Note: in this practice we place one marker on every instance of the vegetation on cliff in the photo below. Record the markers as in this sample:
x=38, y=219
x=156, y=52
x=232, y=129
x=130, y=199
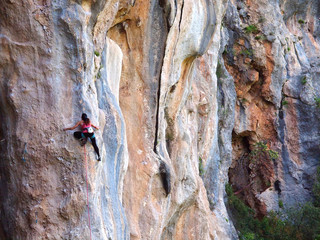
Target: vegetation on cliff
x=301, y=222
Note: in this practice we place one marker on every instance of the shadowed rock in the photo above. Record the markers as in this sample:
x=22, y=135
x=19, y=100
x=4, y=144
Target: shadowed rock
x=165, y=176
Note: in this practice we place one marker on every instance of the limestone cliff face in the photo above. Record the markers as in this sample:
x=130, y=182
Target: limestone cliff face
x=49, y=76
x=190, y=86
x=272, y=52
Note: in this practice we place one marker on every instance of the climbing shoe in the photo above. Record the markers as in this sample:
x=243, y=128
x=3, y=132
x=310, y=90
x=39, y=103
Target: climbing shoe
x=98, y=158
x=83, y=141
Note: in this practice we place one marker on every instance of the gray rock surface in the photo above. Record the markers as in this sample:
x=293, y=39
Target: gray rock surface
x=191, y=85
x=292, y=129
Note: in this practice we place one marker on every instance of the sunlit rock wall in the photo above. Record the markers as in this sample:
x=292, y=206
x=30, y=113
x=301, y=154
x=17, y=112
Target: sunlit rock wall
x=168, y=96
x=145, y=74
x=184, y=85
x=49, y=76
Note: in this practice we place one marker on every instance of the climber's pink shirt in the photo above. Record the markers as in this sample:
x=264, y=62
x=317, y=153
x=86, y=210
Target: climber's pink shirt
x=85, y=127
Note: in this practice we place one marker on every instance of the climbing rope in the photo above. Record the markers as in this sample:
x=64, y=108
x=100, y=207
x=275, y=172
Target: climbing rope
x=85, y=160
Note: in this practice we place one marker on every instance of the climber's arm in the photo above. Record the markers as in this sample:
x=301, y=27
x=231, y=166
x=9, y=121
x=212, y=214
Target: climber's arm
x=94, y=126
x=71, y=128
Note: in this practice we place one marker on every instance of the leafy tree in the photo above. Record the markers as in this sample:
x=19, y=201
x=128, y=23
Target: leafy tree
x=301, y=222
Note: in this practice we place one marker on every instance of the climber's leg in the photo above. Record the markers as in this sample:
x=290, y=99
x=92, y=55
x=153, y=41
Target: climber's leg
x=79, y=135
x=94, y=144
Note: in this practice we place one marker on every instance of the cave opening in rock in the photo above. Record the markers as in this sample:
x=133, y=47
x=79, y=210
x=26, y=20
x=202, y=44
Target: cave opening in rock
x=277, y=186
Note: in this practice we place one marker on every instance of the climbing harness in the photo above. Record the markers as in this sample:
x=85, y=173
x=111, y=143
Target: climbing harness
x=89, y=129
x=83, y=136
x=85, y=160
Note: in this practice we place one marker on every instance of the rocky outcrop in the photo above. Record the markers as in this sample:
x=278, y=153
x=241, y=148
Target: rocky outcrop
x=168, y=98
x=50, y=74
x=272, y=53
x=182, y=92
x=133, y=68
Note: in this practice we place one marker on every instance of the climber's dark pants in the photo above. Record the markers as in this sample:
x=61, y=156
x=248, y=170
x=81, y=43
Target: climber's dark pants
x=79, y=135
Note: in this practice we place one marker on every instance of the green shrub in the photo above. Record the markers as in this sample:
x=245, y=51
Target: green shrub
x=304, y=80
x=300, y=222
x=251, y=29
x=219, y=71
x=260, y=37
x=317, y=99
x=301, y=21
x=284, y=102
x=304, y=221
x=96, y=53
x=201, y=169
x=316, y=189
x=247, y=52
x=99, y=74
x=244, y=100
x=242, y=214
x=249, y=236
x=261, y=148
x=280, y=204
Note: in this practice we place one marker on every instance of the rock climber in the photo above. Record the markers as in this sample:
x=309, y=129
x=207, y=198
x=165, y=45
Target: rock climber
x=87, y=132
